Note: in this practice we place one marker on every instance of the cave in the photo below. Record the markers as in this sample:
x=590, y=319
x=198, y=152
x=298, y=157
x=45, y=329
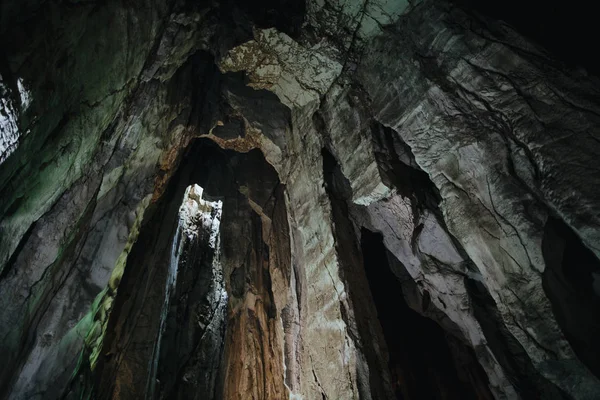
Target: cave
x=197, y=331
x=419, y=353
x=298, y=199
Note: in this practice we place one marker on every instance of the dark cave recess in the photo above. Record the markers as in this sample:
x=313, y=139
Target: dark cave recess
x=421, y=358
x=566, y=29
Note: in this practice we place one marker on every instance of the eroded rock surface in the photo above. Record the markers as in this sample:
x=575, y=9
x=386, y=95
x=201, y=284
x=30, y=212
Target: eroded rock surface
x=408, y=197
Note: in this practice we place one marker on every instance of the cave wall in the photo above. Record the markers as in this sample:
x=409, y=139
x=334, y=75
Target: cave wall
x=468, y=148
x=518, y=137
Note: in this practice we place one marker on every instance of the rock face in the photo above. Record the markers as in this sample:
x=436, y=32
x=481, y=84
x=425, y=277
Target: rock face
x=381, y=200
x=182, y=342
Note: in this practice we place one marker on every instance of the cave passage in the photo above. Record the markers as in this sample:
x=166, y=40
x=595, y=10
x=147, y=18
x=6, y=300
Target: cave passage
x=191, y=323
x=420, y=358
x=299, y=199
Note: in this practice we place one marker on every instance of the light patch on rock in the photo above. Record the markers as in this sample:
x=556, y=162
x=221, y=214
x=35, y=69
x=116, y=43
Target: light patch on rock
x=9, y=129
x=380, y=191
x=348, y=129
x=24, y=93
x=275, y=62
x=196, y=213
x=435, y=241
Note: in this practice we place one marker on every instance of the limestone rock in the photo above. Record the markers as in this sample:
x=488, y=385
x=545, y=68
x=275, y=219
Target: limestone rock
x=381, y=199
x=274, y=61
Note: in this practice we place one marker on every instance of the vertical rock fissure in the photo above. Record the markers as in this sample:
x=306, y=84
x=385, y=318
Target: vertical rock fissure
x=508, y=351
x=357, y=308
x=256, y=272
x=193, y=339
x=170, y=283
x=421, y=360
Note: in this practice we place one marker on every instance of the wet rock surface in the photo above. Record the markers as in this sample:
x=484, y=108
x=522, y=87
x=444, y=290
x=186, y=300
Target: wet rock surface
x=399, y=202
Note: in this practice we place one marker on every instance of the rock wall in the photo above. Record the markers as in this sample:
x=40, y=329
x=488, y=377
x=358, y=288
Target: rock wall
x=480, y=106
x=408, y=204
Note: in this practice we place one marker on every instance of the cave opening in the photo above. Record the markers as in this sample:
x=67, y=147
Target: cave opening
x=571, y=281
x=420, y=357
x=197, y=346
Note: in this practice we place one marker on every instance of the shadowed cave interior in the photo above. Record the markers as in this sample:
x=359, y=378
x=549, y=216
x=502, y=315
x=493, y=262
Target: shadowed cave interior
x=424, y=362
x=427, y=368
x=299, y=199
x=232, y=178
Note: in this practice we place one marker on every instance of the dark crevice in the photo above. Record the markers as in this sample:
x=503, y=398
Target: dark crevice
x=363, y=328
x=420, y=355
x=508, y=351
x=571, y=281
x=399, y=169
x=417, y=186
x=463, y=372
x=13, y=258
